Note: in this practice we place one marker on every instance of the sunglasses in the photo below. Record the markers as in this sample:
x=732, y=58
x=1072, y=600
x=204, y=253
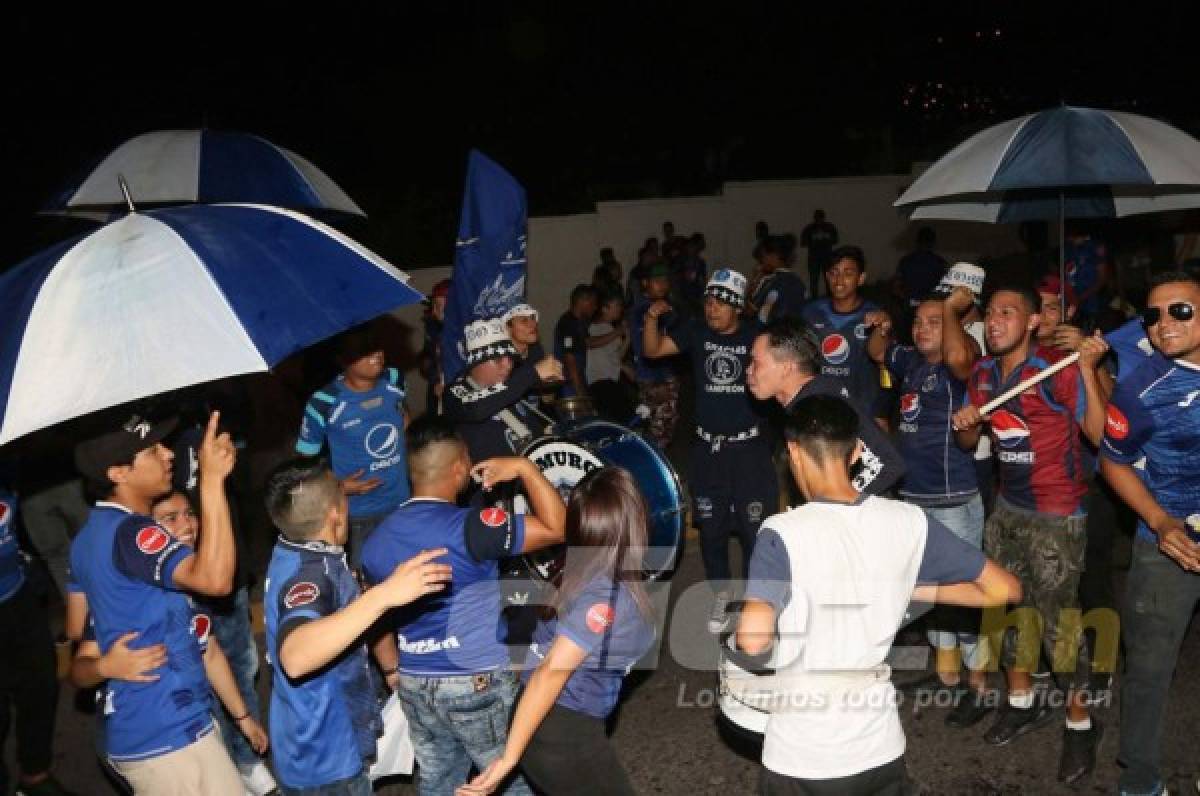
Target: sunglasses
x=1180, y=311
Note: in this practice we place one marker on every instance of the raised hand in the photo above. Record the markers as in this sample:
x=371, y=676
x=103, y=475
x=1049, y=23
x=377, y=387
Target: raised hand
x=498, y=470
x=217, y=455
x=549, y=369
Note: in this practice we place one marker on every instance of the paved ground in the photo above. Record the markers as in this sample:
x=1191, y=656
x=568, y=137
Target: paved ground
x=668, y=735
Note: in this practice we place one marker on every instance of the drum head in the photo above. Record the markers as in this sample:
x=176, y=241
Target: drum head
x=564, y=463
x=655, y=477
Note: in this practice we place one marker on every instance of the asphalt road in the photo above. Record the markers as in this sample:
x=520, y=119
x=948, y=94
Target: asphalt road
x=668, y=735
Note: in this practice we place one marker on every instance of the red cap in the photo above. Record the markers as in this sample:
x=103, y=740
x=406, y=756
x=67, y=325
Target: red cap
x=1050, y=284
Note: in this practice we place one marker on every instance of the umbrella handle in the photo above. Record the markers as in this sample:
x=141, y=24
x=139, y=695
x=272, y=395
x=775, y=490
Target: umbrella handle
x=1037, y=378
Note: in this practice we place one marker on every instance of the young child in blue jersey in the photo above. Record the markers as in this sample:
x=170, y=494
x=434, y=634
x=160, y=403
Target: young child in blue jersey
x=840, y=324
x=1154, y=414
x=134, y=575
x=455, y=683
x=360, y=416
x=600, y=625
x=324, y=716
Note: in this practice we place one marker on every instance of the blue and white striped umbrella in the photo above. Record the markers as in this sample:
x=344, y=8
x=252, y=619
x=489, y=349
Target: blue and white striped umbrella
x=206, y=167
x=173, y=297
x=1074, y=162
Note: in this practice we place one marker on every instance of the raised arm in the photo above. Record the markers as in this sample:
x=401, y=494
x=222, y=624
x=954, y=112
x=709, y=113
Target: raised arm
x=545, y=527
x=463, y=403
x=210, y=569
x=880, y=324
x=314, y=643
x=654, y=342
x=959, y=349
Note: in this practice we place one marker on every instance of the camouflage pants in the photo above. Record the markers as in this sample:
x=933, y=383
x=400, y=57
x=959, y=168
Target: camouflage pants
x=662, y=398
x=1045, y=552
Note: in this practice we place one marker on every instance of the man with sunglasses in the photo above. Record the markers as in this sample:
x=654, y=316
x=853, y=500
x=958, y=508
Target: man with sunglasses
x=1154, y=412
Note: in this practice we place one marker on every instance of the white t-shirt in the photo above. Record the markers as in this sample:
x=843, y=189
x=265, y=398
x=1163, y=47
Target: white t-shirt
x=603, y=362
x=841, y=577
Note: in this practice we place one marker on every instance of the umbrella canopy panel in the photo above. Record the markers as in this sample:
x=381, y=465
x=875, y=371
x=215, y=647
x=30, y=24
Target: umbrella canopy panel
x=205, y=166
x=175, y=297
x=1062, y=149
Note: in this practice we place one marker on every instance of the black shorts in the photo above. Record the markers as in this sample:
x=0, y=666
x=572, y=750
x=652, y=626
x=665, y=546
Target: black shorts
x=890, y=779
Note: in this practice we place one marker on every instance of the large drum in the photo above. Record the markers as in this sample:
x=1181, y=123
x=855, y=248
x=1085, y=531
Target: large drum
x=590, y=445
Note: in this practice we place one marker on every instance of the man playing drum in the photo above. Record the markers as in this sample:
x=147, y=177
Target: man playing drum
x=486, y=402
x=732, y=475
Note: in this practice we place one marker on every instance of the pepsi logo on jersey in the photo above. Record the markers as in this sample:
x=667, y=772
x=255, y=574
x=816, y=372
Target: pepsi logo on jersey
x=835, y=348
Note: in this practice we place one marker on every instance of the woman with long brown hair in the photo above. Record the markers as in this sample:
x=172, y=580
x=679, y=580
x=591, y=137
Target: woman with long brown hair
x=598, y=626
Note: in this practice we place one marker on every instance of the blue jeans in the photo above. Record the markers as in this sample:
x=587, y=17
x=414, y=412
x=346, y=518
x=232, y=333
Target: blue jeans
x=232, y=630
x=1159, y=600
x=355, y=786
x=455, y=722
x=954, y=627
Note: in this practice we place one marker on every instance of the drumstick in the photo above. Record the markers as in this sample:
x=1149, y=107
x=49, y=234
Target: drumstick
x=1025, y=385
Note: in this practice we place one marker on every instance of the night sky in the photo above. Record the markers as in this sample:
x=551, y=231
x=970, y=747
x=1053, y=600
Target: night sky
x=581, y=101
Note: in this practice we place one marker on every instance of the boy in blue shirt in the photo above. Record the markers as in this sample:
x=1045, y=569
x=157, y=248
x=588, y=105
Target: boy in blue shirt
x=135, y=575
x=324, y=719
x=361, y=416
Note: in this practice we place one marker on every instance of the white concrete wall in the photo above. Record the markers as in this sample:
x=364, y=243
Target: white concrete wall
x=563, y=250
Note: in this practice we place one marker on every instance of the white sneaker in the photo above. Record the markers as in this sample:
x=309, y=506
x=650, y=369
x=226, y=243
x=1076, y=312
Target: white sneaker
x=718, y=618
x=257, y=778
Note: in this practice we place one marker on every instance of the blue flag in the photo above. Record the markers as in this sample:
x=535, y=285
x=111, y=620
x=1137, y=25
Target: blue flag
x=489, y=255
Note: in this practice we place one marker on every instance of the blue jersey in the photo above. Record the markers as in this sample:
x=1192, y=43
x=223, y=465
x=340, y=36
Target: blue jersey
x=1155, y=412
x=1083, y=260
x=12, y=563
x=779, y=295
x=125, y=563
x=843, y=339
x=1131, y=346
x=459, y=630
x=647, y=369
x=325, y=725
x=365, y=431
x=604, y=621
x=939, y=472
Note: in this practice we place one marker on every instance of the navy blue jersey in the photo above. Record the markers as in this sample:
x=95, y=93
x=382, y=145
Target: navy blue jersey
x=604, y=621
x=1131, y=347
x=325, y=725
x=124, y=563
x=1155, y=412
x=12, y=563
x=570, y=337
x=843, y=339
x=654, y=371
x=939, y=472
x=365, y=431
x=723, y=404
x=779, y=295
x=459, y=630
